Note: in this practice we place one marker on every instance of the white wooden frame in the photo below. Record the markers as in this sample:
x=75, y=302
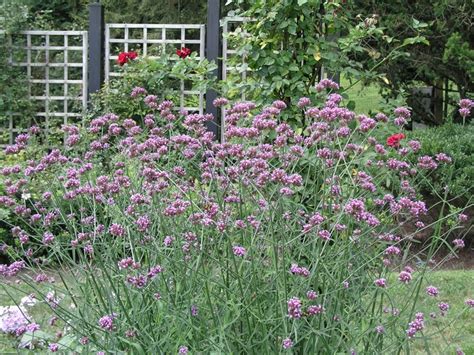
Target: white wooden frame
x=145, y=42
x=227, y=51
x=44, y=38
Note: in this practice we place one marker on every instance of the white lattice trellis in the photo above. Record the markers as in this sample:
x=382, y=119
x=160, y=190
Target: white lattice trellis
x=234, y=67
x=152, y=40
x=55, y=63
x=233, y=63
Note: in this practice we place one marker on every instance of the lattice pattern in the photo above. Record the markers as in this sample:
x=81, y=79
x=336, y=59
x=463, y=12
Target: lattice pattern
x=153, y=40
x=233, y=63
x=55, y=63
x=234, y=67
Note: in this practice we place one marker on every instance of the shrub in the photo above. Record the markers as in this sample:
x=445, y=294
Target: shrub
x=456, y=141
x=166, y=76
x=269, y=241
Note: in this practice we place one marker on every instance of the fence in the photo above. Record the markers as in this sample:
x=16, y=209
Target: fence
x=233, y=63
x=64, y=67
x=55, y=63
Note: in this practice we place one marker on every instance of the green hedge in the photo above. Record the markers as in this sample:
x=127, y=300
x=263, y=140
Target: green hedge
x=456, y=141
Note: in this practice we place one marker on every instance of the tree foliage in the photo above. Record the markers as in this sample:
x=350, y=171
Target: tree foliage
x=290, y=45
x=448, y=27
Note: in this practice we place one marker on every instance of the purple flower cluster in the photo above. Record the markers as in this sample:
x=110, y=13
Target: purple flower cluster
x=465, y=107
x=432, y=291
x=287, y=343
x=299, y=270
x=12, y=269
x=239, y=250
x=137, y=91
x=417, y=325
x=326, y=84
x=294, y=308
x=107, y=322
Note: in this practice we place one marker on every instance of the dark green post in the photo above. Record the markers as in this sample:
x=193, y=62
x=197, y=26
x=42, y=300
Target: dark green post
x=96, y=47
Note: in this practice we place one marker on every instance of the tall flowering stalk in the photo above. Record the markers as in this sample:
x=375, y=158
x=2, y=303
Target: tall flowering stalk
x=270, y=241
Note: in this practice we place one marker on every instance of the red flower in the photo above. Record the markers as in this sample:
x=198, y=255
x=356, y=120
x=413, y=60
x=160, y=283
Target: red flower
x=132, y=55
x=394, y=140
x=183, y=52
x=124, y=57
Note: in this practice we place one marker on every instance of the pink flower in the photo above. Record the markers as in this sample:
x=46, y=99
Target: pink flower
x=466, y=106
x=299, y=270
x=287, y=343
x=405, y=277
x=416, y=325
x=220, y=101
x=116, y=230
x=380, y=329
x=313, y=310
x=239, y=250
x=294, y=308
x=312, y=295
x=443, y=307
x=107, y=322
x=53, y=347
x=432, y=291
x=381, y=282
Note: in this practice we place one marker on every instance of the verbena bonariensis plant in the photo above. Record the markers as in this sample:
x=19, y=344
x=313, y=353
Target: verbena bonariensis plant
x=272, y=241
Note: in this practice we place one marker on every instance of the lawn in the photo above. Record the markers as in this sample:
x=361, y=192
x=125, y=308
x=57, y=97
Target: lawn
x=366, y=98
x=456, y=329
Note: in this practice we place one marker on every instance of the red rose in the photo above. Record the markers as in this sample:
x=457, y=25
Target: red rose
x=124, y=57
x=183, y=52
x=132, y=55
x=394, y=140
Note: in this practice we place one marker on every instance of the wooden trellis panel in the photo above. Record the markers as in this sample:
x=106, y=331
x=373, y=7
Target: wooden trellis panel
x=152, y=40
x=55, y=64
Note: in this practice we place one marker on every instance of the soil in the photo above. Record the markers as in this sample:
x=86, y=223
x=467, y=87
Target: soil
x=465, y=257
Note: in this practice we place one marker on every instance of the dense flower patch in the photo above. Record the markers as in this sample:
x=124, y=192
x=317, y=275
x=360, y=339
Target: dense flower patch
x=270, y=240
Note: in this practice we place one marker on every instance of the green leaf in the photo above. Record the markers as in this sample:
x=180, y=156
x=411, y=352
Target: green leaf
x=302, y=2
x=414, y=40
x=294, y=67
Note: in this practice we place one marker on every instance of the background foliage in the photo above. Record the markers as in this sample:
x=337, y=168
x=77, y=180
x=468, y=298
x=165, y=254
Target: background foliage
x=316, y=39
x=448, y=60
x=456, y=141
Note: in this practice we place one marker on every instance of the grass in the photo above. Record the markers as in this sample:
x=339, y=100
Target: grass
x=366, y=98
x=443, y=335
x=456, y=329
